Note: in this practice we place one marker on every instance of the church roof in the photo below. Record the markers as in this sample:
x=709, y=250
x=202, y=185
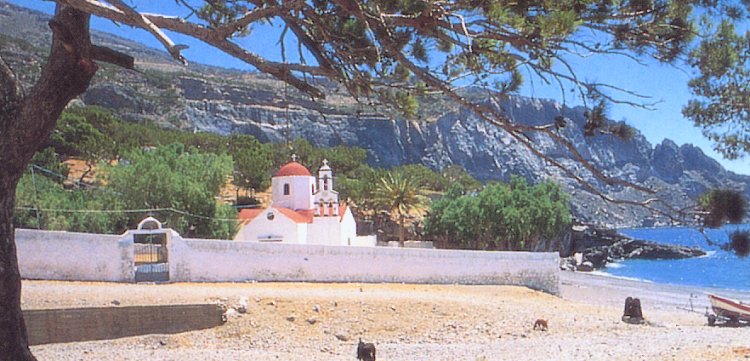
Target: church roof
x=342, y=211
x=292, y=169
x=248, y=214
x=299, y=216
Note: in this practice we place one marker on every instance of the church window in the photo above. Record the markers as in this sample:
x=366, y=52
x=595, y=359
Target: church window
x=312, y=189
x=325, y=183
x=286, y=189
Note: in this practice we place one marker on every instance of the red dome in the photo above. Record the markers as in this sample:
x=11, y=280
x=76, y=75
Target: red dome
x=293, y=169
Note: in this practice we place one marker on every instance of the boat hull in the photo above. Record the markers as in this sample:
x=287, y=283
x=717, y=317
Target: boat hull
x=724, y=307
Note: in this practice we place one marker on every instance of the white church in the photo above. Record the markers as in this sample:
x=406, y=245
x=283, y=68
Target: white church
x=303, y=210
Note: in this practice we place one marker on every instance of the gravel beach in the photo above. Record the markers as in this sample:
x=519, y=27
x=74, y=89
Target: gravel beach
x=316, y=321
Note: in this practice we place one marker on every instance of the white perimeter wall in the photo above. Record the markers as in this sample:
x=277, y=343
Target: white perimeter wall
x=70, y=256
x=94, y=257
x=212, y=261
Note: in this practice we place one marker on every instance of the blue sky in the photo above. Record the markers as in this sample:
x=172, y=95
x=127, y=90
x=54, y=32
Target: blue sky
x=664, y=84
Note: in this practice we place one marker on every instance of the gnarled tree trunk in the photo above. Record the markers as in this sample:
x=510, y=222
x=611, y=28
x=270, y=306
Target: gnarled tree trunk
x=26, y=121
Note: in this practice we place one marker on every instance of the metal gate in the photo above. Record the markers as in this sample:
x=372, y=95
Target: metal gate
x=151, y=258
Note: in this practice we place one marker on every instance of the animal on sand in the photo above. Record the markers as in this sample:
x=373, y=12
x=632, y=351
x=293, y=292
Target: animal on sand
x=365, y=351
x=540, y=324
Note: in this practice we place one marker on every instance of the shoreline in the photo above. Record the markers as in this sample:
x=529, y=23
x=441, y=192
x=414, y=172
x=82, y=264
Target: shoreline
x=605, y=290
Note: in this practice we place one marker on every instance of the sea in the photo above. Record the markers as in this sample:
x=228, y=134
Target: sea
x=718, y=269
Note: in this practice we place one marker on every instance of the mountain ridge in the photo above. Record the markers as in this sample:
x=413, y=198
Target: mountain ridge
x=225, y=101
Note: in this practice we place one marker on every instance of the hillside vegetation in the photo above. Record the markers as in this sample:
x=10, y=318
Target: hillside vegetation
x=143, y=169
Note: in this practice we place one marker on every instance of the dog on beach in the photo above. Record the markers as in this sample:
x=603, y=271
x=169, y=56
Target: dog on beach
x=365, y=351
x=540, y=324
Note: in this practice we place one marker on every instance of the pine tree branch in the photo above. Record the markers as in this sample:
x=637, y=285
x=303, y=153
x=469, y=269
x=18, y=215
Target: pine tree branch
x=254, y=15
x=281, y=71
x=494, y=117
x=144, y=23
x=112, y=56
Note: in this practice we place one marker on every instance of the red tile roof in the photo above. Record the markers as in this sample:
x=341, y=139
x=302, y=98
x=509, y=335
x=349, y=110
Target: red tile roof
x=342, y=211
x=292, y=169
x=301, y=216
x=248, y=214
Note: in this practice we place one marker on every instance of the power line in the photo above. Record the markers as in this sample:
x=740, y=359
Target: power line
x=60, y=210
x=110, y=211
x=64, y=177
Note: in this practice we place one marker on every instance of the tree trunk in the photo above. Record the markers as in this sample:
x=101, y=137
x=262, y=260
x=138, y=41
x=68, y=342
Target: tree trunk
x=401, y=229
x=89, y=168
x=13, y=340
x=26, y=122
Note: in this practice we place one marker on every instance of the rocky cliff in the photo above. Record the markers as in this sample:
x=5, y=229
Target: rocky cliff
x=224, y=101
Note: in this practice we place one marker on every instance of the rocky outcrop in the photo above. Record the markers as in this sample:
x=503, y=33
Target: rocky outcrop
x=592, y=248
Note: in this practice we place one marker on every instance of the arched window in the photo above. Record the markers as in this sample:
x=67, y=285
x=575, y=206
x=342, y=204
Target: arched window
x=286, y=189
x=312, y=189
x=325, y=183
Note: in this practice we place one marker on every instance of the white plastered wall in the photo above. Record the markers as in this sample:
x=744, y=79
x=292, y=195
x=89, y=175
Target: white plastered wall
x=324, y=230
x=348, y=233
x=300, y=195
x=71, y=256
x=216, y=261
x=280, y=227
x=94, y=257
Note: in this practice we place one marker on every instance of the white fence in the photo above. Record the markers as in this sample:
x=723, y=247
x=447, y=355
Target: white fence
x=77, y=256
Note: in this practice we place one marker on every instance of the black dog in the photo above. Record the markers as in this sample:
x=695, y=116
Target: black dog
x=365, y=351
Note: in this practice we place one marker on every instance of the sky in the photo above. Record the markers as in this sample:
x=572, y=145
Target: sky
x=664, y=84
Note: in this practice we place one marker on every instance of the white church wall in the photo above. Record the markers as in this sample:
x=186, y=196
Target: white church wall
x=70, y=256
x=300, y=192
x=216, y=261
x=324, y=230
x=302, y=233
x=348, y=233
x=280, y=227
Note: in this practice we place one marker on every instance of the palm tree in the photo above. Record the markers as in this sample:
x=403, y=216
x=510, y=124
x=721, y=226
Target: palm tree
x=397, y=194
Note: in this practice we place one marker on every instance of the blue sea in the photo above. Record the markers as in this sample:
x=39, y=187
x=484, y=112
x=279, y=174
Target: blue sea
x=721, y=269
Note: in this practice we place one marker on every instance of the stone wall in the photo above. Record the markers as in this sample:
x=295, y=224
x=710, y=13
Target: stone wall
x=86, y=324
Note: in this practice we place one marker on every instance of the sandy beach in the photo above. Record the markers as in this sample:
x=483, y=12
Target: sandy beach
x=313, y=321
